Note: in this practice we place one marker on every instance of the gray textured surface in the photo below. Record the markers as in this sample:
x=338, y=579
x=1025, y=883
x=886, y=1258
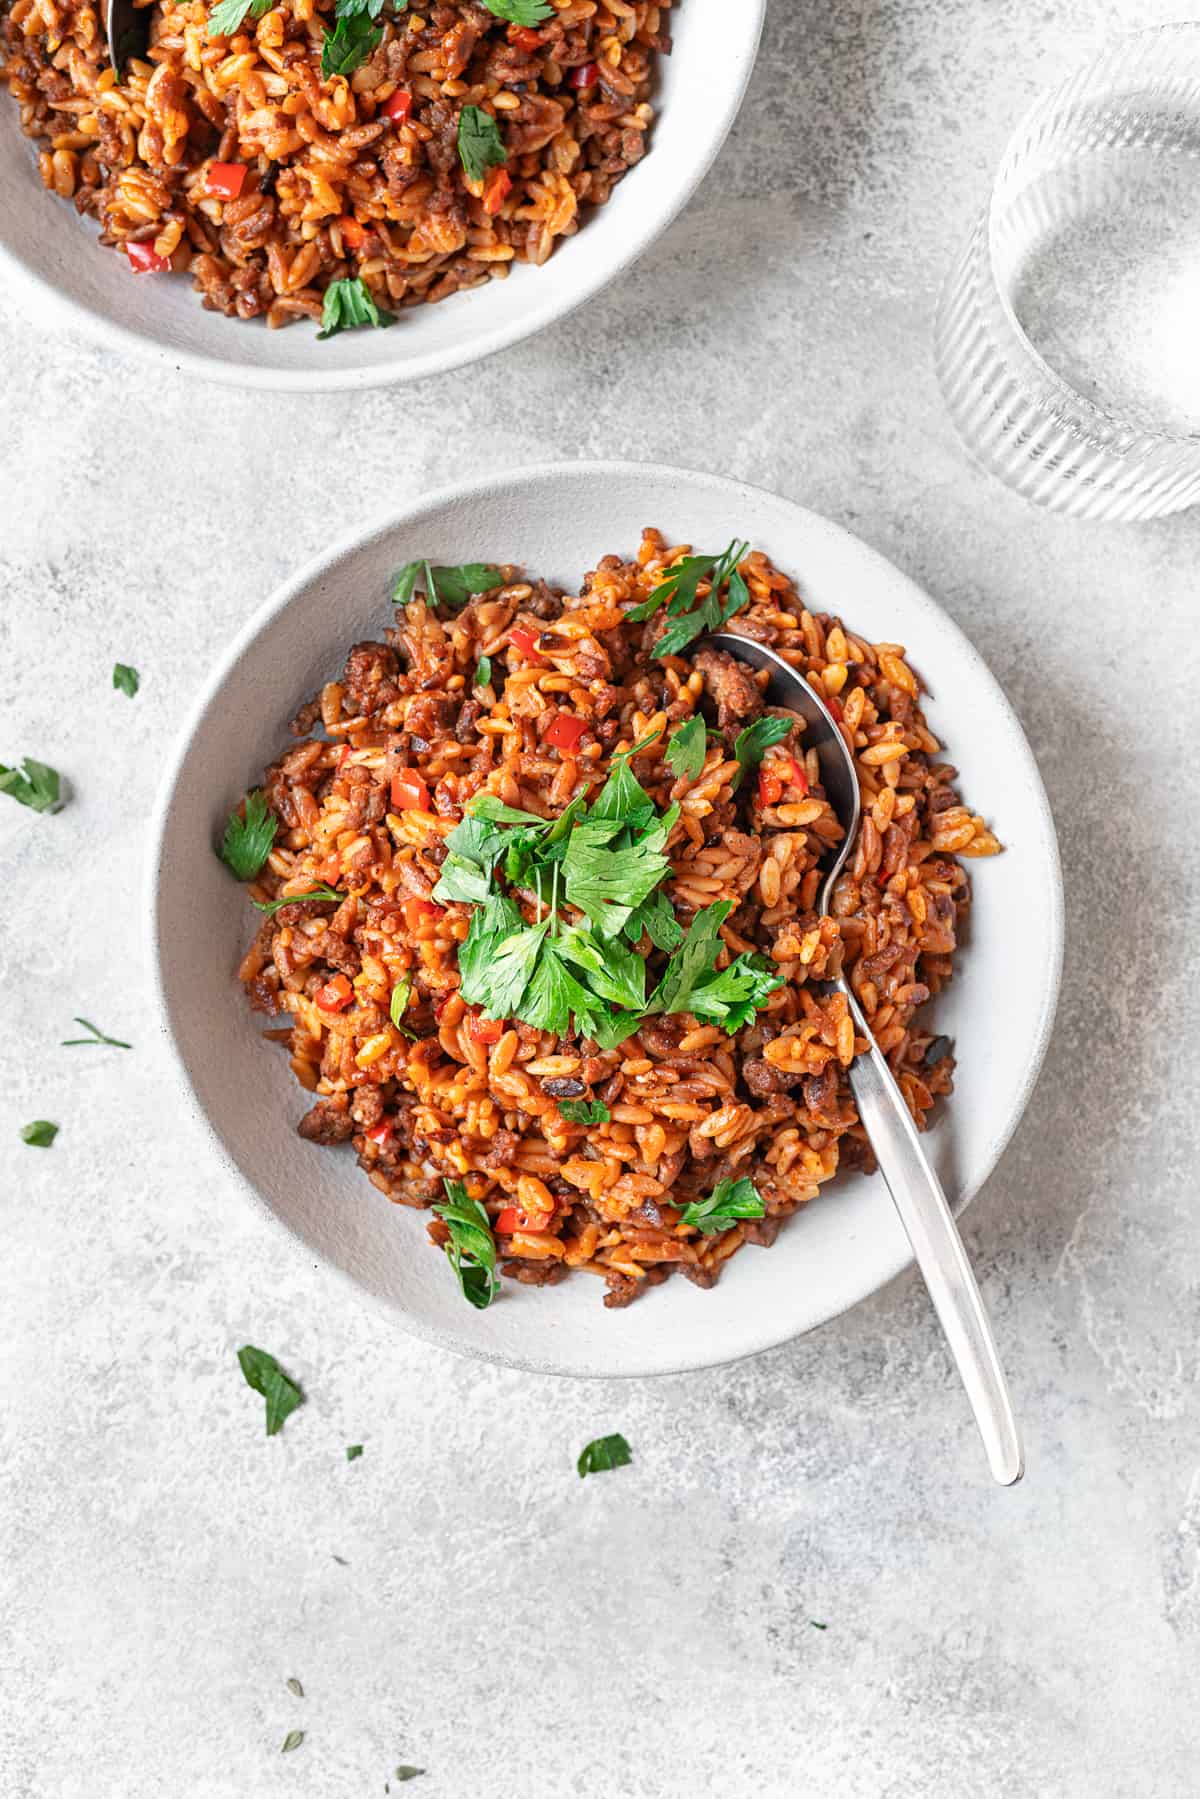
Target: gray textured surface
x=515, y=1631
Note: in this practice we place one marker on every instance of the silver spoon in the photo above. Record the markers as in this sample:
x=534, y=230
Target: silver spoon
x=915, y=1189
x=127, y=28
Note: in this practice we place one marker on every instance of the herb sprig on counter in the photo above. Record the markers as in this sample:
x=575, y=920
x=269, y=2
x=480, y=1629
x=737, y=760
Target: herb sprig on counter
x=39, y=786
x=602, y=1454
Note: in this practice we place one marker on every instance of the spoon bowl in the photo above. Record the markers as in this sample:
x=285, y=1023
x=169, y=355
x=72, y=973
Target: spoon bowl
x=907, y=1172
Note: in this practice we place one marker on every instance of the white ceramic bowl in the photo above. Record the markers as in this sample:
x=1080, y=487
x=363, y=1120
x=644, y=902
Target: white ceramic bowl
x=703, y=81
x=558, y=522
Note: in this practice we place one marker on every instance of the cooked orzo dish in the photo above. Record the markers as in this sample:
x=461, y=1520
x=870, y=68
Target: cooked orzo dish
x=337, y=158
x=539, y=885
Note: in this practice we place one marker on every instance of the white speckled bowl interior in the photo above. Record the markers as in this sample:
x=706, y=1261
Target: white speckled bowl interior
x=558, y=522
x=701, y=87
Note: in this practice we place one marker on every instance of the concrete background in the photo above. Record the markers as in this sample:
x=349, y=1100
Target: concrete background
x=507, y=1627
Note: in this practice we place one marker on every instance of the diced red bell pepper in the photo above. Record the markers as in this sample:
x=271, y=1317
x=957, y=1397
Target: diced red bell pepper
x=512, y=1218
x=524, y=38
x=382, y=1134
x=565, y=732
x=586, y=75
x=353, y=234
x=144, y=259
x=496, y=188
x=835, y=708
x=485, y=1030
x=416, y=908
x=524, y=640
x=225, y=180
x=335, y=995
x=398, y=107
x=343, y=757
x=799, y=778
x=770, y=787
x=409, y=792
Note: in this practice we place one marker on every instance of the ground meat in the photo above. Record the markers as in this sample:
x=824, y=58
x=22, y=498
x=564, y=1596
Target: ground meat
x=502, y=1149
x=623, y=1289
x=305, y=719
x=328, y=1122
x=536, y=1274
x=339, y=954
x=762, y=1077
x=370, y=678
x=731, y=685
x=762, y=1231
x=428, y=715
x=464, y=730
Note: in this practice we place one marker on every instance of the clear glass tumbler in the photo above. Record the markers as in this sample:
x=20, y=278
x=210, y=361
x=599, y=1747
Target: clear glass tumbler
x=1068, y=332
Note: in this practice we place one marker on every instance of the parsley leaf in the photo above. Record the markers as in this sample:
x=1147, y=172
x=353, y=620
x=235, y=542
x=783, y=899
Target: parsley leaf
x=398, y=1005
x=40, y=1134
x=692, y=960
x=227, y=18
x=687, y=749
x=616, y=973
x=270, y=907
x=604, y=1453
x=553, y=994
x=678, y=585
x=352, y=40
x=480, y=146
x=732, y=997
x=471, y=1250
x=353, y=1451
x=752, y=744
x=349, y=9
x=348, y=304
x=38, y=788
x=125, y=679
x=710, y=613
x=656, y=917
x=584, y=1111
x=483, y=672
x=728, y=1201
x=97, y=1036
x=291, y=1741
x=406, y=1771
x=451, y=587
x=511, y=969
x=521, y=12
x=248, y=836
x=462, y=880
x=262, y=1372
x=606, y=883
x=491, y=924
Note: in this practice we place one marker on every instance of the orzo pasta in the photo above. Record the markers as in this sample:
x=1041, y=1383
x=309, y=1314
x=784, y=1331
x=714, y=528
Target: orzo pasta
x=249, y=148
x=653, y=1106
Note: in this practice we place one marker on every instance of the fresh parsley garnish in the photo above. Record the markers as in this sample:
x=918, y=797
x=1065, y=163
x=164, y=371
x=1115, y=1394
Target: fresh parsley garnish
x=752, y=744
x=354, y=37
x=584, y=1111
x=480, y=147
x=471, y=1250
x=353, y=1451
x=690, y=616
x=483, y=672
x=348, y=304
x=406, y=1771
x=291, y=1741
x=728, y=1201
x=521, y=12
x=687, y=749
x=604, y=1453
x=692, y=982
x=451, y=587
x=349, y=9
x=248, y=837
x=270, y=907
x=97, y=1036
x=227, y=18
x=401, y=994
x=263, y=1373
x=125, y=679
x=39, y=787
x=817, y=1626
x=40, y=1134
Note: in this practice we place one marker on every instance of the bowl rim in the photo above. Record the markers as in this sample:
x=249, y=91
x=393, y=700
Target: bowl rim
x=394, y=520
x=473, y=346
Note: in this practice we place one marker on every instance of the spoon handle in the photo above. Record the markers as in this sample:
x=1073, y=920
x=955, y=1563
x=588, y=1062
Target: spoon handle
x=926, y=1216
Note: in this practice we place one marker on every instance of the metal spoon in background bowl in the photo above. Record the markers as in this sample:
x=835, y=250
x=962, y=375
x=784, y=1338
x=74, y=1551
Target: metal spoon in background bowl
x=127, y=28
x=915, y=1189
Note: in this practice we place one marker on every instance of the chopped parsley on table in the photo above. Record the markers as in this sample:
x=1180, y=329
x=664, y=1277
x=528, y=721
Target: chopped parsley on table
x=40, y=1134
x=262, y=1372
x=39, y=787
x=125, y=679
x=603, y=1453
x=95, y=1036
